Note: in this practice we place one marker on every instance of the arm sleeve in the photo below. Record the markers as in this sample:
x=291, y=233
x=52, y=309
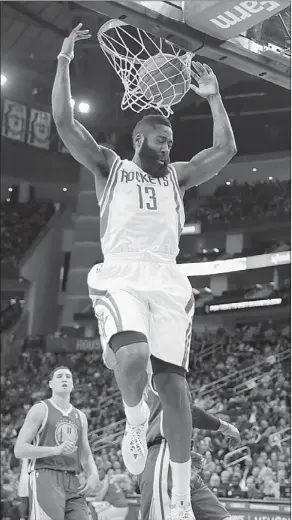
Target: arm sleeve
x=204, y=420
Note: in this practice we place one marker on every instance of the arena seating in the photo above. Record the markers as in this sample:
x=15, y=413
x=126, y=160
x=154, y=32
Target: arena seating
x=255, y=357
x=21, y=223
x=10, y=313
x=215, y=254
x=241, y=203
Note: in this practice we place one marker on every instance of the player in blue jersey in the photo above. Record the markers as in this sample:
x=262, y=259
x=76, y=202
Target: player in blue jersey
x=143, y=302
x=156, y=481
x=54, y=439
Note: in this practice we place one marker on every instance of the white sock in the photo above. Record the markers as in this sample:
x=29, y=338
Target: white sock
x=136, y=415
x=181, y=482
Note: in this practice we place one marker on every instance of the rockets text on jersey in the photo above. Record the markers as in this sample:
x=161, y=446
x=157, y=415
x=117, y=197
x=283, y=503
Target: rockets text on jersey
x=140, y=213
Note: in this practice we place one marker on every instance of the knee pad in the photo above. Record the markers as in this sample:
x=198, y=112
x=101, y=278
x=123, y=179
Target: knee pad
x=127, y=337
x=159, y=366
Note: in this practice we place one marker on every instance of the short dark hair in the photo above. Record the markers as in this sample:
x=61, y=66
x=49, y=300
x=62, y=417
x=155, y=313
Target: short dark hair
x=149, y=122
x=58, y=368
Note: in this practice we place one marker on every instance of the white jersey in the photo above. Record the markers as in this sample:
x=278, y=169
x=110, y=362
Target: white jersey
x=139, y=213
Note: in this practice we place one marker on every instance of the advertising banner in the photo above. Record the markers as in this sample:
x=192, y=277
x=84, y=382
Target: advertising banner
x=225, y=19
x=55, y=344
x=238, y=509
x=236, y=264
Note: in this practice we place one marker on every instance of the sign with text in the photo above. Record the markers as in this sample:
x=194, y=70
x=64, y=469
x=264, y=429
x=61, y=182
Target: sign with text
x=236, y=264
x=225, y=19
x=55, y=344
x=238, y=509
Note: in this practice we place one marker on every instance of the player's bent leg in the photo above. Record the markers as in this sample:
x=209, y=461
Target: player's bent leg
x=132, y=354
x=170, y=383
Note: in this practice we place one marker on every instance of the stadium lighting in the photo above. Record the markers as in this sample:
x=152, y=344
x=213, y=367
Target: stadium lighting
x=3, y=80
x=65, y=189
x=83, y=107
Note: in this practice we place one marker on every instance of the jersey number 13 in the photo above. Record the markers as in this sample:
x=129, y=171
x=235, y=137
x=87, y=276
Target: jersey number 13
x=147, y=197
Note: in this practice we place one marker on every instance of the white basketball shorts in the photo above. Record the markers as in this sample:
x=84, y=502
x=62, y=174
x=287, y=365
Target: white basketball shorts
x=155, y=299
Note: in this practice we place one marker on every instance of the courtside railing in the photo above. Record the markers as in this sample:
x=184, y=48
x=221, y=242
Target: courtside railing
x=248, y=372
x=112, y=434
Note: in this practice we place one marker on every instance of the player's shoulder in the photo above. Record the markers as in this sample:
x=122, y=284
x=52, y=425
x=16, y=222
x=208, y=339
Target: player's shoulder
x=38, y=411
x=82, y=415
x=109, y=155
x=179, y=170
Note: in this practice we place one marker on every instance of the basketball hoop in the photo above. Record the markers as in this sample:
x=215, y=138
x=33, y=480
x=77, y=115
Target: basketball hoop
x=128, y=49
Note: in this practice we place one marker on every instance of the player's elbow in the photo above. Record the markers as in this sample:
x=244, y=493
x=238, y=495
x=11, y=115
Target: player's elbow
x=232, y=149
x=18, y=452
x=62, y=119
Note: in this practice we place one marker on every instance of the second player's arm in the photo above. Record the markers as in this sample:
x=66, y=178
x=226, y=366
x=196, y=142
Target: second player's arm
x=87, y=459
x=205, y=421
x=208, y=163
x=80, y=143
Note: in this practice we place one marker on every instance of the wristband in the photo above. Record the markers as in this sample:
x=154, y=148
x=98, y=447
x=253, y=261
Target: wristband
x=223, y=426
x=63, y=55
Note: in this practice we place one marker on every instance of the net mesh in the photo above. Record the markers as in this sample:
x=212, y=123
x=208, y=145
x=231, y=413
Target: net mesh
x=128, y=49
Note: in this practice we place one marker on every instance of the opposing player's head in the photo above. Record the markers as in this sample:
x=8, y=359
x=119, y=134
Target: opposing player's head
x=152, y=141
x=61, y=380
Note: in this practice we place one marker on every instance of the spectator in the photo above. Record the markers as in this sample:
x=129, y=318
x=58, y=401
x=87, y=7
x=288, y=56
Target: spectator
x=110, y=492
x=209, y=464
x=271, y=487
x=252, y=492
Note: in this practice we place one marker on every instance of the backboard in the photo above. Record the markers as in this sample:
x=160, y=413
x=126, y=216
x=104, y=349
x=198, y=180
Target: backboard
x=252, y=36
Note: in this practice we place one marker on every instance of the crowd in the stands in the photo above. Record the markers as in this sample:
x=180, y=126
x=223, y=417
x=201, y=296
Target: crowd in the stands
x=21, y=223
x=240, y=204
x=260, y=410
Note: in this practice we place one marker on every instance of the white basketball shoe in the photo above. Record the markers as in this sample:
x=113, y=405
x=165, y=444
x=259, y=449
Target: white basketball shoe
x=134, y=446
x=181, y=512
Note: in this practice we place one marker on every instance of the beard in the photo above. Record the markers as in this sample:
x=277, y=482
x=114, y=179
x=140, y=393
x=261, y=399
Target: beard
x=150, y=161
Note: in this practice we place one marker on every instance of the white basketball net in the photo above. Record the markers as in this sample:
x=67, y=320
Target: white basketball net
x=127, y=48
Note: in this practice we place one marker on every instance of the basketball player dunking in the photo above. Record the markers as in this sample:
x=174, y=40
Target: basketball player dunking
x=155, y=481
x=59, y=449
x=143, y=303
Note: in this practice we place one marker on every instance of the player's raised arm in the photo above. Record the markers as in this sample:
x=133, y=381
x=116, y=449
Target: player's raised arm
x=80, y=143
x=24, y=449
x=209, y=162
